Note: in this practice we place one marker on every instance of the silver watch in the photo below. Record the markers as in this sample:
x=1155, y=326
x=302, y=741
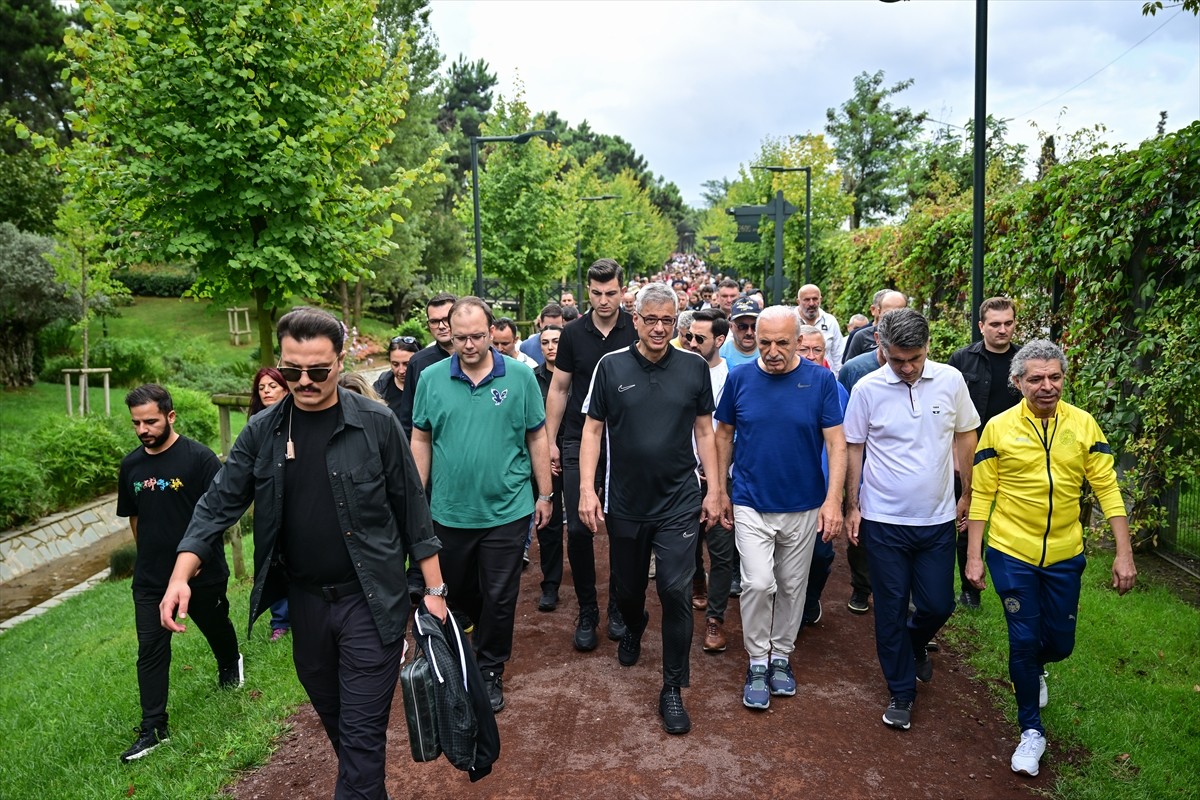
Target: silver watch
x=435, y=591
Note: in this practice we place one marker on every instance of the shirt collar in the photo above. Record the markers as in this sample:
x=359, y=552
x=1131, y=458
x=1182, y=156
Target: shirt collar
x=891, y=377
x=456, y=371
x=646, y=363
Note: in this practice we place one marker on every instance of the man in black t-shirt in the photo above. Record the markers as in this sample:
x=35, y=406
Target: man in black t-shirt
x=605, y=328
x=984, y=365
x=157, y=490
x=437, y=317
x=648, y=401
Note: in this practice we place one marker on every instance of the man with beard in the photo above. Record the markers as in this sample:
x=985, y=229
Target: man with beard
x=159, y=485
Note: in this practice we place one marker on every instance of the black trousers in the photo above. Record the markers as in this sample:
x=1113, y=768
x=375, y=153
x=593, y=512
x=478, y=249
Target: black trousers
x=860, y=573
x=673, y=543
x=818, y=576
x=482, y=570
x=550, y=539
x=209, y=609
x=722, y=562
x=580, y=550
x=350, y=676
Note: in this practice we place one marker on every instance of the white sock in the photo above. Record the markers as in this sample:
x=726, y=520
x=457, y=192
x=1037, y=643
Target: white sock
x=778, y=656
x=758, y=662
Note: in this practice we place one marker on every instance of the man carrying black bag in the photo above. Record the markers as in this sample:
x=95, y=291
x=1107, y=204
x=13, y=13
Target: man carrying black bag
x=465, y=728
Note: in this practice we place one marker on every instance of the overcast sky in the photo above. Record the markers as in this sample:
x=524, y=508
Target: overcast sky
x=696, y=86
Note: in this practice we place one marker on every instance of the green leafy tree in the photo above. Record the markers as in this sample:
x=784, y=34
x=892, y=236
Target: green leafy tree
x=30, y=298
x=465, y=108
x=232, y=135
x=872, y=139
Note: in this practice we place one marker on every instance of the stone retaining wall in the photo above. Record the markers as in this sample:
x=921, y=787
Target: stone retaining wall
x=58, y=535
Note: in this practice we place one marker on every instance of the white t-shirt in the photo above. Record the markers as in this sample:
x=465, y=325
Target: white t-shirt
x=908, y=474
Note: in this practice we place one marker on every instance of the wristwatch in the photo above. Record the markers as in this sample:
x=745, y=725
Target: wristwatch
x=435, y=591
x=545, y=498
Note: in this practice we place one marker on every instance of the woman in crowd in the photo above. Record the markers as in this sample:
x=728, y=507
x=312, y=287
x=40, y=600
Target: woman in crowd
x=269, y=389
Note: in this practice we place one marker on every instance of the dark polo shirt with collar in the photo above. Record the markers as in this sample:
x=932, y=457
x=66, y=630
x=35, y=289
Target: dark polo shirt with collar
x=580, y=347
x=650, y=410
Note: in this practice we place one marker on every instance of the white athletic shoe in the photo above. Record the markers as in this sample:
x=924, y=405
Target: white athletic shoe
x=1028, y=755
x=1043, y=693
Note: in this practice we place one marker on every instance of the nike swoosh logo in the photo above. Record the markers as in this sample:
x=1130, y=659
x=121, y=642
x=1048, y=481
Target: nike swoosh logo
x=689, y=535
x=623, y=388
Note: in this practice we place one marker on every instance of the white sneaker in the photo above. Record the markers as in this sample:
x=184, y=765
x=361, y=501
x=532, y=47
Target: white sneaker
x=1028, y=755
x=1043, y=693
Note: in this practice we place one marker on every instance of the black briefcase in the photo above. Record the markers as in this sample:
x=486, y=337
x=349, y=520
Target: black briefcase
x=420, y=708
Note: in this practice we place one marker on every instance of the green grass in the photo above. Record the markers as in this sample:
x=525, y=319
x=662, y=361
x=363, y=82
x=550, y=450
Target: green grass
x=22, y=411
x=1124, y=713
x=70, y=701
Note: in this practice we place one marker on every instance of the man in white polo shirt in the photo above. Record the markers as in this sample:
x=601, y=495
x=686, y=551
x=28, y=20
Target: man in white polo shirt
x=909, y=418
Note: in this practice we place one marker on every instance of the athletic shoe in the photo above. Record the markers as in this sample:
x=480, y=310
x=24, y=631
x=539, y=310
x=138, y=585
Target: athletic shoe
x=670, y=708
x=585, y=629
x=858, y=603
x=811, y=618
x=1043, y=692
x=1028, y=755
x=780, y=678
x=616, y=624
x=756, y=694
x=714, y=637
x=278, y=633
x=898, y=714
x=146, y=743
x=232, y=676
x=495, y=690
x=735, y=587
x=969, y=599
x=630, y=648
x=525, y=559
x=549, y=600
x=924, y=666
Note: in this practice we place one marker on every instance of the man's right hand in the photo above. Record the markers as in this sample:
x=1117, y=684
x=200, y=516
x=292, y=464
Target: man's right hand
x=179, y=593
x=589, y=510
x=555, y=460
x=851, y=521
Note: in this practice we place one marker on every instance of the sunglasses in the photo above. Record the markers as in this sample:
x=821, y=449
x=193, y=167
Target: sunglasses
x=746, y=326
x=403, y=340
x=695, y=337
x=315, y=374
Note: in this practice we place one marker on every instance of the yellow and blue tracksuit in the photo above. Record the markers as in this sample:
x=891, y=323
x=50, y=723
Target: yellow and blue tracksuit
x=1027, y=481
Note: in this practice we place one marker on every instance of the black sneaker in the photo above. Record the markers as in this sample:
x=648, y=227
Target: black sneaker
x=898, y=714
x=495, y=690
x=549, y=600
x=670, y=708
x=924, y=666
x=616, y=624
x=811, y=615
x=585, y=629
x=858, y=602
x=630, y=648
x=146, y=743
x=969, y=599
x=231, y=676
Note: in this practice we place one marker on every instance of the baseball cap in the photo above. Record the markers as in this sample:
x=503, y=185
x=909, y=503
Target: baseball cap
x=745, y=307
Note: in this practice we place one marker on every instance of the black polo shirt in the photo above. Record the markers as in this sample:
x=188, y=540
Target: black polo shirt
x=650, y=410
x=580, y=347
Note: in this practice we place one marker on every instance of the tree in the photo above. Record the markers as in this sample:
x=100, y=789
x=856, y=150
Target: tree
x=231, y=135
x=30, y=299
x=872, y=140
x=468, y=99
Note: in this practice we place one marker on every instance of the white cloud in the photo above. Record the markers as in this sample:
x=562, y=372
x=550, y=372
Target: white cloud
x=696, y=86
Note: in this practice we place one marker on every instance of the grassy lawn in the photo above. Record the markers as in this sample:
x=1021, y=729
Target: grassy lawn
x=70, y=704
x=167, y=319
x=22, y=411
x=1124, y=713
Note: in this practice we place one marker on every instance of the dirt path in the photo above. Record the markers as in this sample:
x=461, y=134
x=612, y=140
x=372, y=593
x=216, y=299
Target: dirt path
x=578, y=725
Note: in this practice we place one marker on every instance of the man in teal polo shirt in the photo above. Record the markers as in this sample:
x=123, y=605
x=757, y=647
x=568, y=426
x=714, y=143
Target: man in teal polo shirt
x=479, y=430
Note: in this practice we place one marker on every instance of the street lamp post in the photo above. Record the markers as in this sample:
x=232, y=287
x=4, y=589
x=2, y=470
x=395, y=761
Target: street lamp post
x=520, y=138
x=780, y=218
x=579, y=245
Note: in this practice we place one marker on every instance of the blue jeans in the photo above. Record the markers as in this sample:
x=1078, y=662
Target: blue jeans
x=1040, y=606
x=916, y=560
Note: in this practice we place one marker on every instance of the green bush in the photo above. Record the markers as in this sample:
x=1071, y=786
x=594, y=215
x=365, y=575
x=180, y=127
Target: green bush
x=133, y=361
x=195, y=415
x=209, y=378
x=24, y=491
x=52, y=367
x=80, y=456
x=414, y=328
x=56, y=338
x=145, y=280
x=121, y=561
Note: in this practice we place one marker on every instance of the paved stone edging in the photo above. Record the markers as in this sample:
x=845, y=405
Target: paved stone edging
x=58, y=599
x=58, y=535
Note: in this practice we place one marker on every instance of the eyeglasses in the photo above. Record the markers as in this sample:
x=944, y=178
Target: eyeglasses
x=315, y=374
x=745, y=326
x=695, y=337
x=666, y=322
x=404, y=339
x=439, y=322
x=812, y=351
x=461, y=338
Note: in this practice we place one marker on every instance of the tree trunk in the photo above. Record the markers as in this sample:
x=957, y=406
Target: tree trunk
x=343, y=290
x=17, y=346
x=358, y=300
x=84, y=404
x=266, y=338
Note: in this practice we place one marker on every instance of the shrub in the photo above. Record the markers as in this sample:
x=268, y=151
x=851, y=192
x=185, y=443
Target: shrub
x=51, y=369
x=195, y=415
x=56, y=338
x=133, y=361
x=158, y=280
x=415, y=328
x=121, y=561
x=80, y=456
x=24, y=492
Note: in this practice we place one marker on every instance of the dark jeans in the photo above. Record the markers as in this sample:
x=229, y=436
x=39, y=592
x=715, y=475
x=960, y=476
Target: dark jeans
x=1040, y=605
x=350, y=676
x=209, y=609
x=916, y=561
x=279, y=615
x=962, y=545
x=722, y=561
x=550, y=540
x=673, y=543
x=580, y=550
x=482, y=570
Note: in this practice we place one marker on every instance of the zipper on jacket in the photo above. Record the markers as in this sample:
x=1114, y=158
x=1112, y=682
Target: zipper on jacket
x=1047, y=441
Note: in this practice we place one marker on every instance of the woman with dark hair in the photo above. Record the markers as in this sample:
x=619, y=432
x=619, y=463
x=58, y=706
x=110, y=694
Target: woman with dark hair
x=269, y=389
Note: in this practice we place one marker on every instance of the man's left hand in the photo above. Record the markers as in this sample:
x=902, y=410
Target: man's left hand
x=1124, y=573
x=829, y=523
x=436, y=606
x=711, y=509
x=542, y=512
x=961, y=510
